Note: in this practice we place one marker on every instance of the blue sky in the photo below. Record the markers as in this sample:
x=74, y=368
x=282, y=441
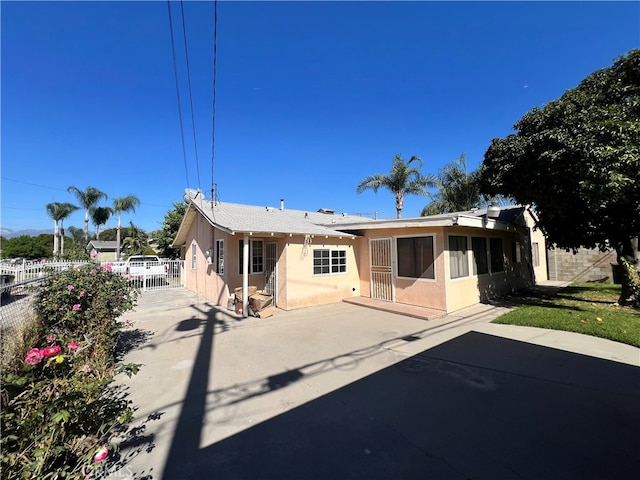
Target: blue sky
x=311, y=96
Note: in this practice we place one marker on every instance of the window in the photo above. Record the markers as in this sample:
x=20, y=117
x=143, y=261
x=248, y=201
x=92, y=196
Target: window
x=415, y=257
x=535, y=251
x=497, y=255
x=327, y=261
x=458, y=257
x=194, y=258
x=480, y=261
x=256, y=263
x=516, y=255
x=220, y=257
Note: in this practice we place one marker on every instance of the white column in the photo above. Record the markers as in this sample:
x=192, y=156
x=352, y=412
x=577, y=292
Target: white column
x=245, y=275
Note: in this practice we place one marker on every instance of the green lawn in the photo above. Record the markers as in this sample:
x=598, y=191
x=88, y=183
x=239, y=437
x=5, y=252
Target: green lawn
x=588, y=308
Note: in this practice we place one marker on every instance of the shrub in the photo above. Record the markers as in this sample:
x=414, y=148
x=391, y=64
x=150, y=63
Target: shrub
x=59, y=409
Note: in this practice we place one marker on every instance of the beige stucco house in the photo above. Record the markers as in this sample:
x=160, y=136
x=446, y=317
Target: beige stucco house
x=443, y=262
x=103, y=251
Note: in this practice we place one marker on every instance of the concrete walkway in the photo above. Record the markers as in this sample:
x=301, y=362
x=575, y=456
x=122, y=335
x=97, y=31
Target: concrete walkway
x=343, y=391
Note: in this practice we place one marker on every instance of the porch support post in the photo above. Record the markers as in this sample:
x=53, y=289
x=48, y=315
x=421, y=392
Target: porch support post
x=245, y=275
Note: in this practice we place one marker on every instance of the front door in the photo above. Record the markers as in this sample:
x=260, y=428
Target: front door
x=381, y=269
x=270, y=270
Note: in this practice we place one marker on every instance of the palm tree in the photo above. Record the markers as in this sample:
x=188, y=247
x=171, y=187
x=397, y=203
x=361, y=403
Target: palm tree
x=54, y=211
x=88, y=197
x=458, y=190
x=136, y=241
x=67, y=209
x=123, y=204
x=100, y=216
x=403, y=179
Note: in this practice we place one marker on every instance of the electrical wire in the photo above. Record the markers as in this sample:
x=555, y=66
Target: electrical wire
x=214, y=192
x=175, y=71
x=193, y=122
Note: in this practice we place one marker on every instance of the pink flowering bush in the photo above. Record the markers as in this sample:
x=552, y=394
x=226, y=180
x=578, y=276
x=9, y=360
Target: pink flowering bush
x=60, y=409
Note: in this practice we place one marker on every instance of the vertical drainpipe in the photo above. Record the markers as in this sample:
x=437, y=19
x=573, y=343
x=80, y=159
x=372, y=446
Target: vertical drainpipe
x=245, y=275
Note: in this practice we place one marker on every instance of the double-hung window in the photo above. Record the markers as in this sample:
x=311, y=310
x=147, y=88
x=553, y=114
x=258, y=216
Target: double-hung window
x=256, y=256
x=458, y=256
x=415, y=257
x=329, y=262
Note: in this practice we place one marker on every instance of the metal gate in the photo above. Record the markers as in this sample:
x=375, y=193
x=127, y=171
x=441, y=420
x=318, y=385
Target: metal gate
x=270, y=270
x=381, y=269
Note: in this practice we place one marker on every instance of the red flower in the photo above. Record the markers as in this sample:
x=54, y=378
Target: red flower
x=50, y=351
x=72, y=345
x=101, y=454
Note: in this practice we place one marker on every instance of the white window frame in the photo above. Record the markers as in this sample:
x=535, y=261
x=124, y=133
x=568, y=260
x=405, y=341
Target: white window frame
x=252, y=256
x=334, y=255
x=194, y=256
x=220, y=256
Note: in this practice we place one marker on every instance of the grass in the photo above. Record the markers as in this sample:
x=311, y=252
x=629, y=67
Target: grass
x=588, y=308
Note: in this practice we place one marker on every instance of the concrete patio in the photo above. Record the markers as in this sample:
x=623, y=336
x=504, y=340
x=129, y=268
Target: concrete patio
x=344, y=391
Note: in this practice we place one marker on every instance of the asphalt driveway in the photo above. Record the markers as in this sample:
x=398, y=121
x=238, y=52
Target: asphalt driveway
x=342, y=391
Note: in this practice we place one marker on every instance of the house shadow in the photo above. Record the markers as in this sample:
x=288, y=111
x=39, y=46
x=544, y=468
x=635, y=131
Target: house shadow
x=477, y=406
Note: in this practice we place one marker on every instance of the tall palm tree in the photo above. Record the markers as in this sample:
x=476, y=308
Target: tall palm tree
x=67, y=209
x=136, y=240
x=403, y=179
x=100, y=216
x=88, y=197
x=54, y=211
x=123, y=204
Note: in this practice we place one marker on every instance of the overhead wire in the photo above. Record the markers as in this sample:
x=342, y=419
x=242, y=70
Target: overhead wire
x=193, y=123
x=175, y=71
x=214, y=192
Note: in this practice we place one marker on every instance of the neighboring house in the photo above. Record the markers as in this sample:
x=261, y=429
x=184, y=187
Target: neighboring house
x=104, y=251
x=444, y=262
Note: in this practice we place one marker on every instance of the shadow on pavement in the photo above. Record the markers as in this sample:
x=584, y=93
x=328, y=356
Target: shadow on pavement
x=478, y=406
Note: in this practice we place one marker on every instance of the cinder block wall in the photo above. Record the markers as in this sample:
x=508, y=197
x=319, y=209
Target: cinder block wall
x=585, y=266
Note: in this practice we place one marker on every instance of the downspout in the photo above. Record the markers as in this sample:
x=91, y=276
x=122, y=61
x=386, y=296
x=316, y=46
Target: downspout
x=245, y=275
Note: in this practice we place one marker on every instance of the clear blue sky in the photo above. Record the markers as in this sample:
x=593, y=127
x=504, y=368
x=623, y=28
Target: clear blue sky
x=311, y=96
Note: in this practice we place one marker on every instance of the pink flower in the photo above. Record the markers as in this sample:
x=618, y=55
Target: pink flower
x=72, y=345
x=92, y=272
x=50, y=338
x=101, y=454
x=108, y=268
x=76, y=306
x=33, y=357
x=44, y=260
x=82, y=293
x=85, y=368
x=69, y=287
x=94, y=254
x=50, y=351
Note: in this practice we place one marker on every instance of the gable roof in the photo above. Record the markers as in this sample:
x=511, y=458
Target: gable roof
x=103, y=245
x=235, y=218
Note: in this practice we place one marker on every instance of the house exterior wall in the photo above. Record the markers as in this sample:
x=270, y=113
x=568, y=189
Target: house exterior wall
x=304, y=288
x=587, y=265
x=103, y=256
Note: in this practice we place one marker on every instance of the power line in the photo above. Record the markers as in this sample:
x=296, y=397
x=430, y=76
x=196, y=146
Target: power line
x=175, y=71
x=193, y=123
x=214, y=193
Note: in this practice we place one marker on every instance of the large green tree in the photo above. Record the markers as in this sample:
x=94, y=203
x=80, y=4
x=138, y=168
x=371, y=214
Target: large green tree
x=404, y=178
x=577, y=161
x=88, y=198
x=28, y=247
x=123, y=204
x=166, y=236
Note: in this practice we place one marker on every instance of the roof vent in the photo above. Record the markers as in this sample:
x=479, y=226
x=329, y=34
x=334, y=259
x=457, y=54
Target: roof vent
x=326, y=211
x=494, y=210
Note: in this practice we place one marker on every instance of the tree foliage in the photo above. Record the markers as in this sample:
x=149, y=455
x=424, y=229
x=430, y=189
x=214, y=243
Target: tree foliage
x=88, y=198
x=577, y=161
x=170, y=225
x=404, y=178
x=458, y=190
x=28, y=247
x=99, y=217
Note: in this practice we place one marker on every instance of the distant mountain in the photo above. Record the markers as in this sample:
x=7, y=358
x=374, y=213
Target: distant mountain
x=8, y=233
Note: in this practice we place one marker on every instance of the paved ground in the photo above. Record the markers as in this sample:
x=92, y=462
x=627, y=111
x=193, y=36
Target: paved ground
x=346, y=392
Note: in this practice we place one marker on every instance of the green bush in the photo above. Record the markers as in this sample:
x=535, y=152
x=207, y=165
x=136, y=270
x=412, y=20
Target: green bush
x=59, y=407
